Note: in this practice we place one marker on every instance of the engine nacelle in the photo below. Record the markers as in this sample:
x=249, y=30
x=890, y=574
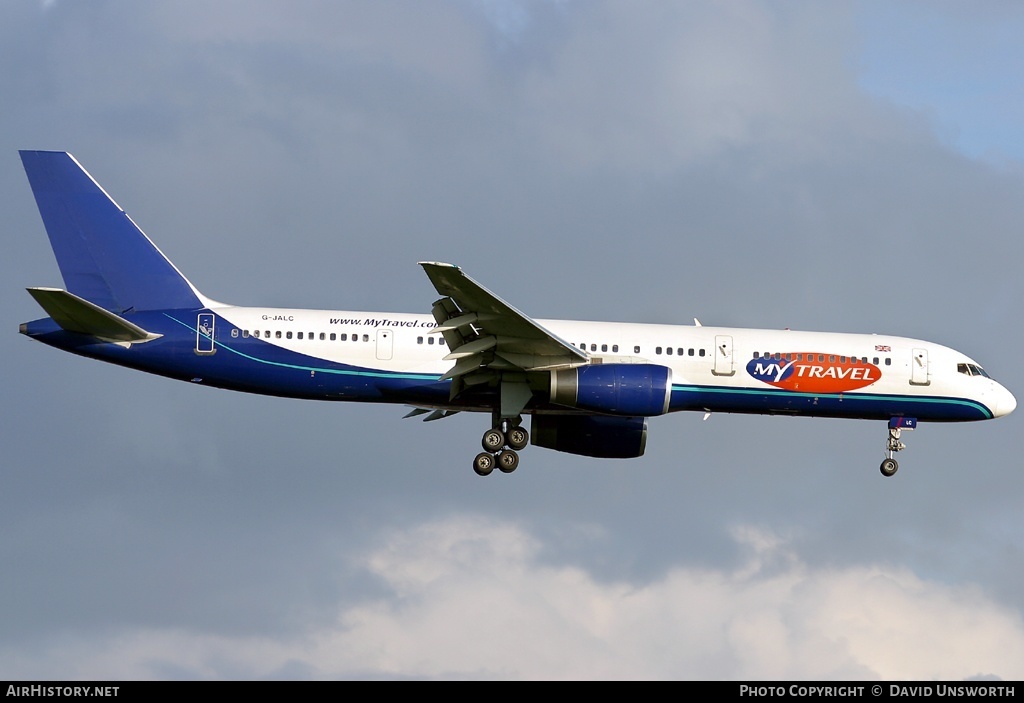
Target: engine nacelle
x=591, y=435
x=634, y=390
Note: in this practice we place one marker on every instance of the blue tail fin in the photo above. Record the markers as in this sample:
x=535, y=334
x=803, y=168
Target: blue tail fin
x=103, y=256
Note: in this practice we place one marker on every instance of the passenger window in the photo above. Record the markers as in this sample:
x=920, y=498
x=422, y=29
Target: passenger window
x=636, y=349
x=700, y=353
x=334, y=336
x=300, y=335
x=430, y=340
x=615, y=348
x=366, y=338
x=593, y=347
x=604, y=347
x=288, y=334
x=888, y=361
x=657, y=350
x=322, y=336
x=419, y=340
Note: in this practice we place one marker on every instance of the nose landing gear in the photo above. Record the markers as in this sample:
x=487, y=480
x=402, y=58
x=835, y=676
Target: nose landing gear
x=889, y=465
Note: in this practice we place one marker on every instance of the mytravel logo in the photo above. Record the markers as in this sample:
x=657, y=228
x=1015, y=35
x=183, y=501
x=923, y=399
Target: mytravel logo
x=813, y=372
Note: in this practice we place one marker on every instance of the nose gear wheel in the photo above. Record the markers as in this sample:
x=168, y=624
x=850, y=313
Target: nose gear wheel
x=889, y=465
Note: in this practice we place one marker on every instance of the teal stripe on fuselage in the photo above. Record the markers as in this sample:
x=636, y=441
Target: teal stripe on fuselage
x=833, y=399
x=301, y=367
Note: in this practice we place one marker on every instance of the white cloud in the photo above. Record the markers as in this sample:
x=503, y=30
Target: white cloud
x=469, y=598
x=680, y=83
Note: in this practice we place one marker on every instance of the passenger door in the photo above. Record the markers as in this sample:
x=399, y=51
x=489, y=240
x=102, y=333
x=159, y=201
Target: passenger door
x=919, y=368
x=723, y=356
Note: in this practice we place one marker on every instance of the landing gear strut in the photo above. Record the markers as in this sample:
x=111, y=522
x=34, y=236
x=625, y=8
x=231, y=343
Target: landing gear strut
x=501, y=445
x=889, y=465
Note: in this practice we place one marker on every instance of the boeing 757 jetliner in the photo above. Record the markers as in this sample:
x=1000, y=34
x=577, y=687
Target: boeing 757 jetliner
x=588, y=387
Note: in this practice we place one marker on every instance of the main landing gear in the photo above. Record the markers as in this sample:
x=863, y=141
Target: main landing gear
x=889, y=465
x=502, y=445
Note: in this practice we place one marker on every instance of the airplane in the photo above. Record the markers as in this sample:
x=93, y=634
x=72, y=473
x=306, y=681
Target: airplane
x=588, y=387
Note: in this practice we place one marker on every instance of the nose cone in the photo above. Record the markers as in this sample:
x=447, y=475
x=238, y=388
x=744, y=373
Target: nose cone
x=1004, y=403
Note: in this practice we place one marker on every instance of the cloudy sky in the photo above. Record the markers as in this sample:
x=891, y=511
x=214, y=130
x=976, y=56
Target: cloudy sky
x=843, y=166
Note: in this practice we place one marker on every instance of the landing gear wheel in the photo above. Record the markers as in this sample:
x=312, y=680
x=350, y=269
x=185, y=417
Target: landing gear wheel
x=888, y=467
x=893, y=444
x=518, y=438
x=483, y=464
x=493, y=440
x=508, y=460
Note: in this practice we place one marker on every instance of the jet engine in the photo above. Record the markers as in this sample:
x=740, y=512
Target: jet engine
x=634, y=390
x=591, y=435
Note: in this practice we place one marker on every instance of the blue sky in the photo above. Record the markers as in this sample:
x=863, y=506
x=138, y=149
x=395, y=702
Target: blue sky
x=960, y=66
x=833, y=166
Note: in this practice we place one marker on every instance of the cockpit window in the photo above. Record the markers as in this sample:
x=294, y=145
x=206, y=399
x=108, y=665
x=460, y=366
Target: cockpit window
x=971, y=370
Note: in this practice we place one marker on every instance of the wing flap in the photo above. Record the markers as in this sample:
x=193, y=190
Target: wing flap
x=482, y=330
x=475, y=347
x=456, y=322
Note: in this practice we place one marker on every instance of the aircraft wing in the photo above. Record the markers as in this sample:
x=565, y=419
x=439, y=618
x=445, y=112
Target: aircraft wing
x=486, y=335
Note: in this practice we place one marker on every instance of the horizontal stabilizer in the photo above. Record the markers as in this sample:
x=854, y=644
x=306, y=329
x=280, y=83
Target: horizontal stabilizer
x=434, y=414
x=75, y=314
x=439, y=415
